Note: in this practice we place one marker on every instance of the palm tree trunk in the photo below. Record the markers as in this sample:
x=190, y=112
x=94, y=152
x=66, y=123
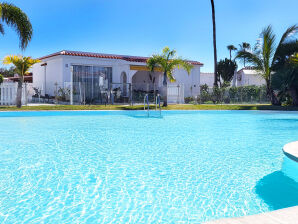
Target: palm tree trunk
x=214, y=44
x=230, y=55
x=165, y=89
x=294, y=94
x=19, y=92
x=271, y=95
x=274, y=99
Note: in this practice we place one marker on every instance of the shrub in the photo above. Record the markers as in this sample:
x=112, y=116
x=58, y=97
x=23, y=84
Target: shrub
x=204, y=94
x=246, y=94
x=189, y=99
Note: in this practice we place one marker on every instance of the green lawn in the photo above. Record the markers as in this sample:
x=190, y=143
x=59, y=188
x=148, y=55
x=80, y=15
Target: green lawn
x=140, y=107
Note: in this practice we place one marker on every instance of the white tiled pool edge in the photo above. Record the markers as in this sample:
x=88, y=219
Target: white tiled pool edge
x=286, y=215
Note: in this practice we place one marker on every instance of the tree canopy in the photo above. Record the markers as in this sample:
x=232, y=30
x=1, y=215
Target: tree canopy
x=267, y=54
x=168, y=61
x=226, y=69
x=22, y=64
x=18, y=20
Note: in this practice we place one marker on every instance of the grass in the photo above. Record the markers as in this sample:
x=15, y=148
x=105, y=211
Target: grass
x=140, y=107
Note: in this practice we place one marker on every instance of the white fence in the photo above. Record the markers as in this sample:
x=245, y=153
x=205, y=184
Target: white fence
x=8, y=93
x=175, y=93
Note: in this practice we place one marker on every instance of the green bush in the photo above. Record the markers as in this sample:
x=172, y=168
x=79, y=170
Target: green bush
x=1, y=78
x=204, y=94
x=189, y=99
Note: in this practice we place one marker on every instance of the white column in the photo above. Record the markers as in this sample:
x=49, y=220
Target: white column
x=45, y=80
x=71, y=85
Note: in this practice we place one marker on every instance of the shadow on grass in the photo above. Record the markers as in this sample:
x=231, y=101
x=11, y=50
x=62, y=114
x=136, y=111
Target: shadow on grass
x=277, y=190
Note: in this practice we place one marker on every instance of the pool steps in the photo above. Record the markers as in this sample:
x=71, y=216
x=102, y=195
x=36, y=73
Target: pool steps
x=291, y=150
x=281, y=216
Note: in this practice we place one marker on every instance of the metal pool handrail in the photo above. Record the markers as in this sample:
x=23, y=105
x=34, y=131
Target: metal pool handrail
x=157, y=101
x=146, y=101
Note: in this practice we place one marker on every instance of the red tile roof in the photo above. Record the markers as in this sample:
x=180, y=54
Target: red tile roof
x=108, y=56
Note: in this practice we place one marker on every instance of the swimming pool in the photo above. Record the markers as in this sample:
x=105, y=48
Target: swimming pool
x=120, y=166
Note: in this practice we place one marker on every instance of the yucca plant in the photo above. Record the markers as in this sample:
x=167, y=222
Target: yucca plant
x=22, y=65
x=17, y=19
x=266, y=53
x=167, y=62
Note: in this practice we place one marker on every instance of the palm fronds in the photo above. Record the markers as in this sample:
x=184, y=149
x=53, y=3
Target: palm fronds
x=17, y=19
x=22, y=64
x=168, y=61
x=290, y=32
x=268, y=48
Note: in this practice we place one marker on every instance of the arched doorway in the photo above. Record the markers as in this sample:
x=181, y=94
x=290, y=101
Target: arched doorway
x=124, y=83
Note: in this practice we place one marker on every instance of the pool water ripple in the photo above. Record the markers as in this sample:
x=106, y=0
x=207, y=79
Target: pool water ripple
x=122, y=167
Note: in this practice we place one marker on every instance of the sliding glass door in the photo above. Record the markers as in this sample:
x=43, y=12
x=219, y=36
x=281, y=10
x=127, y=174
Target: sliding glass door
x=91, y=83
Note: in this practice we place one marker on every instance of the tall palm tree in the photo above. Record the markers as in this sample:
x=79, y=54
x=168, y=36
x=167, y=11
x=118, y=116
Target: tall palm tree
x=285, y=76
x=17, y=19
x=167, y=62
x=22, y=65
x=266, y=54
x=244, y=47
x=216, y=78
x=231, y=48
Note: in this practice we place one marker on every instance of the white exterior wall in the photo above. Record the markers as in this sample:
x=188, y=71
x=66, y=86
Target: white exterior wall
x=58, y=70
x=248, y=78
x=118, y=66
x=191, y=82
x=45, y=80
x=207, y=78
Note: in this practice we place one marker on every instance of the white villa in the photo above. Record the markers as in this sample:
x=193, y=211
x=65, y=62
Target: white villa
x=246, y=76
x=94, y=73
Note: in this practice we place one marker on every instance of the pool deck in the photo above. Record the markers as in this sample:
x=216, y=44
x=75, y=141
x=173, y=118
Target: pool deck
x=282, y=216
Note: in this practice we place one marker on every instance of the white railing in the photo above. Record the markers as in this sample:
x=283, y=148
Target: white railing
x=175, y=93
x=8, y=93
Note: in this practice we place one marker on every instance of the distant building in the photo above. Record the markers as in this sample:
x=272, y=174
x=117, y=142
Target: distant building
x=207, y=78
x=15, y=78
x=248, y=76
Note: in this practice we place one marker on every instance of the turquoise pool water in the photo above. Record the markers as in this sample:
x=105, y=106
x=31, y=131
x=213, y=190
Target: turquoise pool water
x=122, y=167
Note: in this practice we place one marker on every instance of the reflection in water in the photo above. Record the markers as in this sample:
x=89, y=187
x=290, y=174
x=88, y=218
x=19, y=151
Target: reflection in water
x=278, y=190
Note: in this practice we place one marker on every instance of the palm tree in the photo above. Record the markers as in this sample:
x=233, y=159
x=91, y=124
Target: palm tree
x=265, y=55
x=17, y=19
x=216, y=79
x=231, y=48
x=22, y=65
x=167, y=62
x=244, y=47
x=285, y=76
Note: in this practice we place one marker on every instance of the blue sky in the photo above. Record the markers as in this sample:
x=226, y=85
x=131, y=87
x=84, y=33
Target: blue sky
x=143, y=27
